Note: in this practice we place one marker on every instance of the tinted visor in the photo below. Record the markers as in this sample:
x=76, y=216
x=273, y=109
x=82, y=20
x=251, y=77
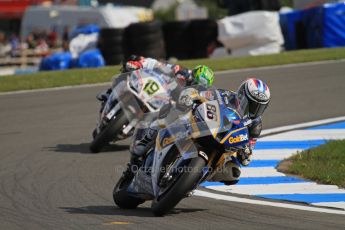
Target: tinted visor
x=252, y=108
x=256, y=109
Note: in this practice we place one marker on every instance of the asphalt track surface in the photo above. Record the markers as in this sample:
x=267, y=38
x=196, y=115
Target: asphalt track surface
x=49, y=180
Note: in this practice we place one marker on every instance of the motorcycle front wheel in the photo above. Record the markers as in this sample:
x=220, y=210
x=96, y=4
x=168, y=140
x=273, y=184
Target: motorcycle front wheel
x=121, y=197
x=186, y=182
x=109, y=133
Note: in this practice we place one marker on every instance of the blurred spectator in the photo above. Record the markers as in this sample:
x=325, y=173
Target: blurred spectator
x=43, y=34
x=31, y=42
x=52, y=39
x=42, y=47
x=15, y=45
x=5, y=47
x=65, y=38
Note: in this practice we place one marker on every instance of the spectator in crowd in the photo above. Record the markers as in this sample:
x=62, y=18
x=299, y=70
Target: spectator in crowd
x=39, y=41
x=42, y=47
x=15, y=45
x=65, y=38
x=52, y=39
x=31, y=42
x=5, y=46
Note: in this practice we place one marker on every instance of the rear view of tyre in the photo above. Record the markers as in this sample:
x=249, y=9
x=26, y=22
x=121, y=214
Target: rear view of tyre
x=204, y=33
x=109, y=133
x=111, y=45
x=178, y=41
x=145, y=39
x=185, y=183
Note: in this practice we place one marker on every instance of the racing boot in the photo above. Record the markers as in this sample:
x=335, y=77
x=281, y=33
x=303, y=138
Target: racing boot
x=144, y=139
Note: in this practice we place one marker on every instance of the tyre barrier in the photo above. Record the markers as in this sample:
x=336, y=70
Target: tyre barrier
x=111, y=45
x=190, y=39
x=145, y=39
x=204, y=33
x=179, y=39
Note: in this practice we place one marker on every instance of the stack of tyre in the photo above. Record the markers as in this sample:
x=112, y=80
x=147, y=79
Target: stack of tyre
x=178, y=42
x=190, y=39
x=111, y=45
x=204, y=33
x=145, y=39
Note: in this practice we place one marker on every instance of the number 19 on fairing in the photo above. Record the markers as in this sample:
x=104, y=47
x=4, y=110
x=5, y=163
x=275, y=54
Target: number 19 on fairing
x=151, y=87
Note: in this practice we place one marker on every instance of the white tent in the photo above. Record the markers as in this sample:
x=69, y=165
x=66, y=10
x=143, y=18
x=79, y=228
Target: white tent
x=252, y=33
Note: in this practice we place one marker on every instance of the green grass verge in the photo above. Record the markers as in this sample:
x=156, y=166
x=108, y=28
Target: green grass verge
x=49, y=79
x=89, y=76
x=324, y=164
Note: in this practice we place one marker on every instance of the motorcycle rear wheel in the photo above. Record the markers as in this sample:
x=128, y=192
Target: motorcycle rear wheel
x=186, y=182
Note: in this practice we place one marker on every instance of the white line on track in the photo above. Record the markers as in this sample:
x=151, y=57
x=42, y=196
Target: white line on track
x=331, y=204
x=274, y=154
x=298, y=135
x=285, y=188
x=260, y=172
x=267, y=203
x=301, y=126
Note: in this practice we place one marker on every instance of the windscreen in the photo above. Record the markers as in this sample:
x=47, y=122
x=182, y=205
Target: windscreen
x=153, y=86
x=231, y=101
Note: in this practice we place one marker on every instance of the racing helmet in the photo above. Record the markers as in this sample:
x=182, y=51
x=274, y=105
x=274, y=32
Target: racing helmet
x=254, y=96
x=203, y=75
x=133, y=62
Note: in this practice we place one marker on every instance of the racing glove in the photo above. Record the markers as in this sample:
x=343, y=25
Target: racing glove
x=185, y=75
x=188, y=98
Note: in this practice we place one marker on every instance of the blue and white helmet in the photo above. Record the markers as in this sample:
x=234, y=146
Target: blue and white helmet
x=254, y=96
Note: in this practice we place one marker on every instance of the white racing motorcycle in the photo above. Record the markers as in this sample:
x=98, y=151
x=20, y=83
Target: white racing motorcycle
x=133, y=94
